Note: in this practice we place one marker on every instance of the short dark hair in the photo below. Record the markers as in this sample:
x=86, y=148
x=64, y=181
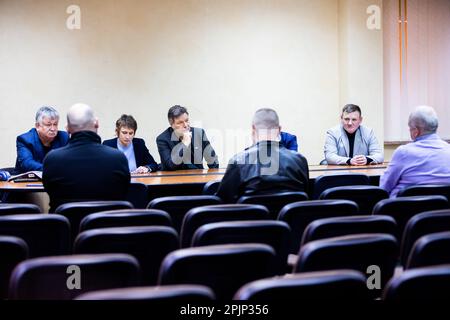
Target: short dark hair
x=349, y=108
x=175, y=112
x=127, y=121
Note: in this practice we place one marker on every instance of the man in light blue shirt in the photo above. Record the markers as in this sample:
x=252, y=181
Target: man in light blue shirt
x=129, y=153
x=424, y=161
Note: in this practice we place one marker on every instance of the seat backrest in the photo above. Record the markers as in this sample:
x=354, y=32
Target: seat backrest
x=18, y=208
x=137, y=195
x=12, y=251
x=45, y=234
x=299, y=214
x=211, y=187
x=358, y=252
x=347, y=285
x=178, y=206
x=125, y=218
x=223, y=268
x=403, y=209
x=274, y=202
x=65, y=277
x=420, y=225
x=429, y=250
x=428, y=283
x=218, y=213
x=324, y=182
x=342, y=226
x=365, y=196
x=273, y=233
x=76, y=211
x=173, y=293
x=149, y=245
x=426, y=190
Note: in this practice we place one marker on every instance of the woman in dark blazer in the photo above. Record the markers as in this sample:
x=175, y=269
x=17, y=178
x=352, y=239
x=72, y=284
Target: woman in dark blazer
x=139, y=158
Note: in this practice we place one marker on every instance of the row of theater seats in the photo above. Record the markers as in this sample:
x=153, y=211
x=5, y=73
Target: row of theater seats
x=356, y=242
x=239, y=271
x=343, y=285
x=297, y=214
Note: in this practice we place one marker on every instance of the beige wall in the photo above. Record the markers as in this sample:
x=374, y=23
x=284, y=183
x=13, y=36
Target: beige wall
x=361, y=62
x=222, y=59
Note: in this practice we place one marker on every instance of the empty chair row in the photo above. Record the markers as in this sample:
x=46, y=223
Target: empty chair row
x=343, y=285
x=223, y=268
x=428, y=283
x=298, y=215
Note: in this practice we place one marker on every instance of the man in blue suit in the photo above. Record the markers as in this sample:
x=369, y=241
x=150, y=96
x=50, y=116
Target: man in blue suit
x=33, y=146
x=289, y=141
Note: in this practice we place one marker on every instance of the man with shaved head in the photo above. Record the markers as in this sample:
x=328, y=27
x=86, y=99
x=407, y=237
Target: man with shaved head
x=424, y=161
x=84, y=170
x=267, y=166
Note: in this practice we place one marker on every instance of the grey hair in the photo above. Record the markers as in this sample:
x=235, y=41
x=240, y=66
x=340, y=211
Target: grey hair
x=46, y=112
x=81, y=117
x=266, y=118
x=424, y=118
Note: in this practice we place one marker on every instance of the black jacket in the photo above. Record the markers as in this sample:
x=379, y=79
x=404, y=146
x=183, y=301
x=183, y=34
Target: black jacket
x=85, y=170
x=190, y=157
x=141, y=153
x=266, y=167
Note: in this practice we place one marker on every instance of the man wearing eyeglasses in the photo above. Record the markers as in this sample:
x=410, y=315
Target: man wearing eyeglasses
x=33, y=146
x=351, y=143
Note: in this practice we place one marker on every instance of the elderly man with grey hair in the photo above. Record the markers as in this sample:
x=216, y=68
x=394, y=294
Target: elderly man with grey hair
x=84, y=170
x=267, y=166
x=34, y=145
x=424, y=161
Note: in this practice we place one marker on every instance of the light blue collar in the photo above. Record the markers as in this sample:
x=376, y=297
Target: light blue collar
x=431, y=136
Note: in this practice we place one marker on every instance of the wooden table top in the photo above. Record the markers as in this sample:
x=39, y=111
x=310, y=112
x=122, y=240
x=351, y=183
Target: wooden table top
x=206, y=175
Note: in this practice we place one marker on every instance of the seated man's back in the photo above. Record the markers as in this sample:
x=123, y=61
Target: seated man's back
x=247, y=174
x=424, y=161
x=85, y=170
x=267, y=166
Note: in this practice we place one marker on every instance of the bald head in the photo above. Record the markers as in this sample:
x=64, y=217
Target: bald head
x=81, y=118
x=266, y=125
x=266, y=118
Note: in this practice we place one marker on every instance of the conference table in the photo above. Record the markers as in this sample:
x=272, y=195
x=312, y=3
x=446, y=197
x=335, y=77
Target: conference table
x=202, y=176
x=182, y=182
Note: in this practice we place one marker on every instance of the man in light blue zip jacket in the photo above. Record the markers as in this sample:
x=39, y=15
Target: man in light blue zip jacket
x=350, y=143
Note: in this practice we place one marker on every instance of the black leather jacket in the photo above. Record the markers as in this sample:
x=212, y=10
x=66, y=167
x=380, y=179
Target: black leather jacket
x=265, y=167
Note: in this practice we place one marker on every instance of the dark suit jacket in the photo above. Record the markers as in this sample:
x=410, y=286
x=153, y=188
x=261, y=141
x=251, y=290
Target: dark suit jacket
x=190, y=157
x=30, y=150
x=141, y=153
x=264, y=168
x=85, y=170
